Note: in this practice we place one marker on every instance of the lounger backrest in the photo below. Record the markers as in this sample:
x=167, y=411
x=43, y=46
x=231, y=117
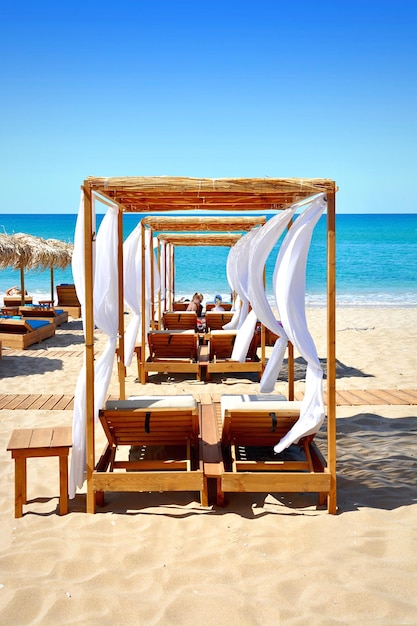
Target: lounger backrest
x=257, y=422
x=180, y=306
x=221, y=344
x=16, y=300
x=20, y=326
x=165, y=344
x=150, y=426
x=226, y=305
x=37, y=311
x=183, y=320
x=67, y=296
x=216, y=320
x=15, y=326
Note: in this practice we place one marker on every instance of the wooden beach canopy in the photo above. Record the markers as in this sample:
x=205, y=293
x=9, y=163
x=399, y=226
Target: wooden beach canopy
x=153, y=195
x=204, y=229
x=22, y=251
x=165, y=193
x=169, y=241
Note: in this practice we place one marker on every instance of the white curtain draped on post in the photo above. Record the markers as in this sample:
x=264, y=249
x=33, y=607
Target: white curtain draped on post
x=105, y=290
x=237, y=272
x=162, y=278
x=156, y=275
x=238, y=275
x=106, y=297
x=260, y=248
x=289, y=283
x=132, y=278
x=78, y=453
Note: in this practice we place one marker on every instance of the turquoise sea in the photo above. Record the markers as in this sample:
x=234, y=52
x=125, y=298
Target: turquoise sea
x=376, y=260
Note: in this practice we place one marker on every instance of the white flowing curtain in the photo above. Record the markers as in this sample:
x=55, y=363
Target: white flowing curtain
x=260, y=249
x=163, y=277
x=238, y=276
x=132, y=276
x=289, y=282
x=157, y=280
x=105, y=318
x=237, y=271
x=132, y=279
x=78, y=453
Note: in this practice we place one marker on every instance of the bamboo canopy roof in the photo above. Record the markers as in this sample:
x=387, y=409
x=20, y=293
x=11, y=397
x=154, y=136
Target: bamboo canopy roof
x=200, y=239
x=166, y=193
x=212, y=224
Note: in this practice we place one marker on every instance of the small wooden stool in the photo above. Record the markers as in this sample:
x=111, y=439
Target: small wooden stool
x=40, y=442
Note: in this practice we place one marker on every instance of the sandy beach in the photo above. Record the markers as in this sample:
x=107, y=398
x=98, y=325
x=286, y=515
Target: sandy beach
x=263, y=558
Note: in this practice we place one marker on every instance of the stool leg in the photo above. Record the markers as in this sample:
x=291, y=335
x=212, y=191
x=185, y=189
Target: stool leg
x=19, y=485
x=63, y=484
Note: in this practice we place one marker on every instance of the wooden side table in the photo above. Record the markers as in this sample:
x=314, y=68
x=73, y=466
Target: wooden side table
x=28, y=443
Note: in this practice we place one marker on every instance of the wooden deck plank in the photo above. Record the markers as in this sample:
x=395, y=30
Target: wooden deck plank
x=6, y=400
x=38, y=402
x=345, y=397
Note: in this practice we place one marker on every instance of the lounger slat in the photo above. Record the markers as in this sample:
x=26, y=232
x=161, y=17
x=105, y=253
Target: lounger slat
x=148, y=481
x=183, y=320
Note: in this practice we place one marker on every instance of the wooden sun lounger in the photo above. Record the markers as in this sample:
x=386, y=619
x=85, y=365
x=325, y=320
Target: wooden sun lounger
x=49, y=314
x=166, y=453
x=220, y=350
x=216, y=320
x=16, y=301
x=181, y=320
x=250, y=429
x=68, y=300
x=172, y=351
x=20, y=333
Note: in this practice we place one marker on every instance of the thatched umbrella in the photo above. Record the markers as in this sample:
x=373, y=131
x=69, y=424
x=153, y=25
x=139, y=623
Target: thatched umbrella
x=7, y=251
x=30, y=252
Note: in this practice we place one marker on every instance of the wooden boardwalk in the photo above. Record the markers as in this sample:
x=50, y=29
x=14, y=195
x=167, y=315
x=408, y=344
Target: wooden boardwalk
x=353, y=397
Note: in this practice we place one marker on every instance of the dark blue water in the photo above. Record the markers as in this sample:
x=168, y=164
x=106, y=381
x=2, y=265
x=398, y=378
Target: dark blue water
x=376, y=260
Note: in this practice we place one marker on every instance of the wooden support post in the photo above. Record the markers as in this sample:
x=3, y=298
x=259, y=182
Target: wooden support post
x=331, y=349
x=121, y=349
x=290, y=371
x=143, y=307
x=89, y=238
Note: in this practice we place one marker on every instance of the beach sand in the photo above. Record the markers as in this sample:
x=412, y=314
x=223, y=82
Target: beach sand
x=263, y=558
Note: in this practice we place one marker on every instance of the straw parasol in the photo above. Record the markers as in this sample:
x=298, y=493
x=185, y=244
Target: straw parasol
x=23, y=251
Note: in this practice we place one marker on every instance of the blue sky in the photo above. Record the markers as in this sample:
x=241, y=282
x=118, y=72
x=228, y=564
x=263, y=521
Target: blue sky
x=208, y=89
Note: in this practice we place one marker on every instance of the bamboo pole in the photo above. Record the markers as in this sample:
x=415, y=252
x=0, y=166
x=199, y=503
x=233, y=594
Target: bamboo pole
x=290, y=348
x=151, y=262
x=171, y=277
x=22, y=285
x=290, y=371
x=52, y=285
x=159, y=291
x=89, y=236
x=121, y=348
x=331, y=349
x=143, y=305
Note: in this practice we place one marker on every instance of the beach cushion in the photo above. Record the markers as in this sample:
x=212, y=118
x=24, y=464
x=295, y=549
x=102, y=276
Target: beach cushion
x=266, y=402
x=37, y=323
x=160, y=402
